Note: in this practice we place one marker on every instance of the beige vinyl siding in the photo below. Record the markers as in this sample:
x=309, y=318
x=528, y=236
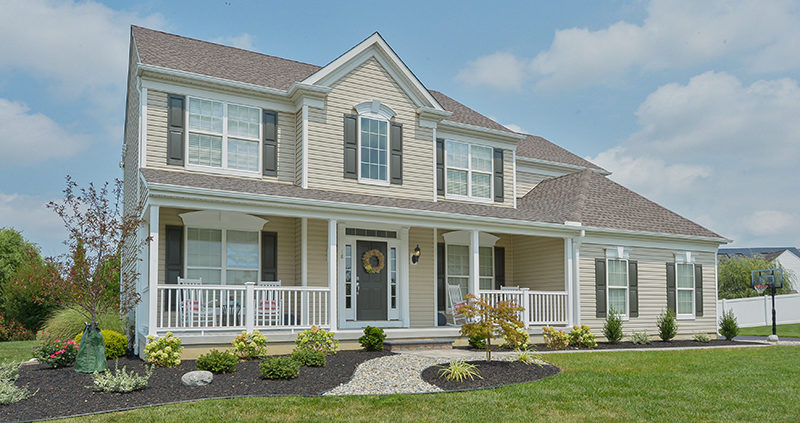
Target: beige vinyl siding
x=287, y=151
x=538, y=263
x=421, y=279
x=317, y=252
x=326, y=130
x=652, y=264
x=526, y=181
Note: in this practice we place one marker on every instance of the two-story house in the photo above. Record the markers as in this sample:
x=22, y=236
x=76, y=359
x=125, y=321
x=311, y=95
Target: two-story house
x=281, y=195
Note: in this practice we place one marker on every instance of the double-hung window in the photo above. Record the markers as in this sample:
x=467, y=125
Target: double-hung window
x=374, y=151
x=469, y=170
x=221, y=256
x=685, y=288
x=618, y=286
x=458, y=267
x=223, y=135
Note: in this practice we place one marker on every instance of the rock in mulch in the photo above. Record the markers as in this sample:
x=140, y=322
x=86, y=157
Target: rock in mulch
x=493, y=374
x=197, y=378
x=394, y=374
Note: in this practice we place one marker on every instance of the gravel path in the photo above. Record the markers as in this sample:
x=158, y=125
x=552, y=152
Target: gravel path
x=394, y=374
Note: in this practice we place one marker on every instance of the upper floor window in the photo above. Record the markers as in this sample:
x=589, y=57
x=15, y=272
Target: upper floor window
x=222, y=135
x=469, y=170
x=374, y=138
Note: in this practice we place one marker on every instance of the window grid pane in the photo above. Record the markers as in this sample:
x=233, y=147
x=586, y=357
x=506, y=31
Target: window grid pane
x=481, y=159
x=374, y=148
x=393, y=262
x=204, y=247
x=205, y=150
x=481, y=185
x=457, y=154
x=618, y=299
x=685, y=301
x=205, y=115
x=458, y=260
x=617, y=273
x=457, y=182
x=348, y=276
x=239, y=277
x=486, y=263
x=243, y=121
x=242, y=250
x=243, y=154
x=685, y=275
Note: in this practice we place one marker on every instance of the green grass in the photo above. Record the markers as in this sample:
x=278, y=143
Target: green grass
x=696, y=385
x=17, y=350
x=789, y=331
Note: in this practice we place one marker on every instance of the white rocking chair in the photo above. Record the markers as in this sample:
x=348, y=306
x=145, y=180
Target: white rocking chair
x=192, y=309
x=454, y=300
x=269, y=305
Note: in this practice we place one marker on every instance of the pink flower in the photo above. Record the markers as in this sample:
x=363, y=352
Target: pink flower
x=58, y=340
x=52, y=356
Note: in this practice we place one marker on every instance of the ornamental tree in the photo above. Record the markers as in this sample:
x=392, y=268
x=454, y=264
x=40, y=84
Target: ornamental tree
x=487, y=320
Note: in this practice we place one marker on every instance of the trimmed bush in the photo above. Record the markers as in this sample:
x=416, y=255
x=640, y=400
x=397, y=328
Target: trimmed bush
x=67, y=323
x=11, y=393
x=9, y=370
x=120, y=380
x=667, y=328
x=478, y=342
x=555, y=339
x=163, y=351
x=516, y=337
x=217, y=361
x=57, y=353
x=250, y=346
x=613, y=327
x=701, y=337
x=309, y=358
x=640, y=338
x=115, y=342
x=12, y=330
x=317, y=339
x=582, y=336
x=728, y=327
x=279, y=368
x=373, y=339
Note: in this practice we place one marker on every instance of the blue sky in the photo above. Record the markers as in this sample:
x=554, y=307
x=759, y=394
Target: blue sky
x=692, y=104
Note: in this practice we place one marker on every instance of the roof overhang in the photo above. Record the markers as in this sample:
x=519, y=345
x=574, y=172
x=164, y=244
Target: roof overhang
x=535, y=162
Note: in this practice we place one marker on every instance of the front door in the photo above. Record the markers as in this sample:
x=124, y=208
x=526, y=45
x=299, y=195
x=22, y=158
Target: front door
x=371, y=285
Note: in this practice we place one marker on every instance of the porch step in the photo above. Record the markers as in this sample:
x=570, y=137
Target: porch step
x=418, y=344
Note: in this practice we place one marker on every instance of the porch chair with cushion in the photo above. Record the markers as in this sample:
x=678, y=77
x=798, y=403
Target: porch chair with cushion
x=192, y=305
x=269, y=305
x=454, y=300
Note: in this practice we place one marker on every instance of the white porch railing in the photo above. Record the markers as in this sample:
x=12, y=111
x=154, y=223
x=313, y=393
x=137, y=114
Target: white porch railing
x=241, y=307
x=539, y=307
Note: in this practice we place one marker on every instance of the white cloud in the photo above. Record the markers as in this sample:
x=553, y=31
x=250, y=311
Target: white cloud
x=499, y=70
x=27, y=138
x=243, y=41
x=37, y=223
x=514, y=127
x=720, y=152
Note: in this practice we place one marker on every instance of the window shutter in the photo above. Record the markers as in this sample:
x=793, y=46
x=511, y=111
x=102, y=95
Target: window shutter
x=350, y=147
x=499, y=267
x=176, y=129
x=396, y=153
x=600, y=287
x=439, y=166
x=498, y=175
x=440, y=275
x=671, y=286
x=173, y=254
x=269, y=256
x=698, y=290
x=270, y=157
x=633, y=288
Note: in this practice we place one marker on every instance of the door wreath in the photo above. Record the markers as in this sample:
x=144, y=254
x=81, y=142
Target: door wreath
x=366, y=260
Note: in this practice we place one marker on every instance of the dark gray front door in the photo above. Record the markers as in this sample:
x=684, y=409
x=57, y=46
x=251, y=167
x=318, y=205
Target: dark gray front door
x=371, y=299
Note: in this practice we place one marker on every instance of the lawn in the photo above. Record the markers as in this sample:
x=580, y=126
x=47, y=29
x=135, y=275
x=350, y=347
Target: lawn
x=696, y=385
x=17, y=350
x=789, y=331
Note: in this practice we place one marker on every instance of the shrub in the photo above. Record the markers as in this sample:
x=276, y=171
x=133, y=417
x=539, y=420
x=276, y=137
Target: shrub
x=67, y=323
x=728, y=327
x=279, y=368
x=115, y=342
x=12, y=330
x=459, y=370
x=640, y=338
x=24, y=302
x=489, y=320
x=9, y=370
x=582, y=336
x=613, y=327
x=701, y=337
x=317, y=339
x=217, y=361
x=516, y=338
x=667, y=328
x=120, y=380
x=478, y=342
x=10, y=393
x=250, y=346
x=56, y=353
x=163, y=351
x=309, y=358
x=555, y=339
x=527, y=357
x=373, y=339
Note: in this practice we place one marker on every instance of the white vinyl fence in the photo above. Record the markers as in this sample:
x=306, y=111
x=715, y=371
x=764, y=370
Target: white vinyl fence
x=757, y=311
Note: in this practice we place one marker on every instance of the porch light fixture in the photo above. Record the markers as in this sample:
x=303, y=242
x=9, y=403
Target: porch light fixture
x=415, y=256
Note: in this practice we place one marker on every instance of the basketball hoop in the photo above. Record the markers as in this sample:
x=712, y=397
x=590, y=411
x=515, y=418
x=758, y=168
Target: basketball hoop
x=761, y=288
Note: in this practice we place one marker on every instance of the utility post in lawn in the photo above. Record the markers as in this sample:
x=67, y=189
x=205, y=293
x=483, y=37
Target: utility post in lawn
x=772, y=279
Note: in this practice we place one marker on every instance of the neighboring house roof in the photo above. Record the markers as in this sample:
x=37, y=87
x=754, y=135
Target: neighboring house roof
x=596, y=201
x=767, y=253
x=584, y=196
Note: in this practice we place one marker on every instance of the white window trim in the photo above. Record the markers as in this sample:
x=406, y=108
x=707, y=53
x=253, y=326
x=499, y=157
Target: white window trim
x=224, y=169
x=691, y=315
x=624, y=316
x=469, y=171
x=224, y=243
x=371, y=181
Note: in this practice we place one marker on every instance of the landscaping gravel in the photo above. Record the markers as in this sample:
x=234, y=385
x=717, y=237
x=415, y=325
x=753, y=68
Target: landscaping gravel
x=394, y=374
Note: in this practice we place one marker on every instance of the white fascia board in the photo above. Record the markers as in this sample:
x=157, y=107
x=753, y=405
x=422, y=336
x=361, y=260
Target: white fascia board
x=531, y=161
x=342, y=64
x=282, y=104
x=650, y=240
x=503, y=136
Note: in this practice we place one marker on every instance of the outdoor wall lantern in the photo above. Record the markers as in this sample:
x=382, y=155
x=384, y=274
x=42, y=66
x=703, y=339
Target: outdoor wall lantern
x=415, y=256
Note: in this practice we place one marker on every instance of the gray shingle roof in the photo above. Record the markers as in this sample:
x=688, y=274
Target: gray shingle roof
x=465, y=115
x=539, y=148
x=768, y=253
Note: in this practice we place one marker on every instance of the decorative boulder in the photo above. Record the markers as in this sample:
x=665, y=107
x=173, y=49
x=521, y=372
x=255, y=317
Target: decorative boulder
x=197, y=378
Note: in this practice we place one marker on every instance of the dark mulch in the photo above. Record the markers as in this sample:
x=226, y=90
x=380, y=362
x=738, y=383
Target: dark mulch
x=494, y=374
x=656, y=343
x=63, y=392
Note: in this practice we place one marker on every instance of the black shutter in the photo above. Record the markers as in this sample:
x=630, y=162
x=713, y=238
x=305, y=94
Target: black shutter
x=498, y=175
x=671, y=286
x=270, y=158
x=698, y=290
x=173, y=254
x=396, y=153
x=175, y=129
x=440, y=272
x=269, y=256
x=499, y=267
x=350, y=147
x=600, y=287
x=440, y=166
x=633, y=288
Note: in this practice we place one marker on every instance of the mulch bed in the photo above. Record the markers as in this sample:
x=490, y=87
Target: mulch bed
x=63, y=392
x=494, y=374
x=655, y=343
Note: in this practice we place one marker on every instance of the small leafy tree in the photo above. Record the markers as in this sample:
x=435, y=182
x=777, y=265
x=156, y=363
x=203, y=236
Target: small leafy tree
x=735, y=282
x=488, y=321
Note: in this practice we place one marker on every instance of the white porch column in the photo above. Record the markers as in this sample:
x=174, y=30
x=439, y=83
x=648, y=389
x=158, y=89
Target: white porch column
x=333, y=258
x=249, y=306
x=576, y=285
x=152, y=272
x=304, y=251
x=474, y=262
x=569, y=279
